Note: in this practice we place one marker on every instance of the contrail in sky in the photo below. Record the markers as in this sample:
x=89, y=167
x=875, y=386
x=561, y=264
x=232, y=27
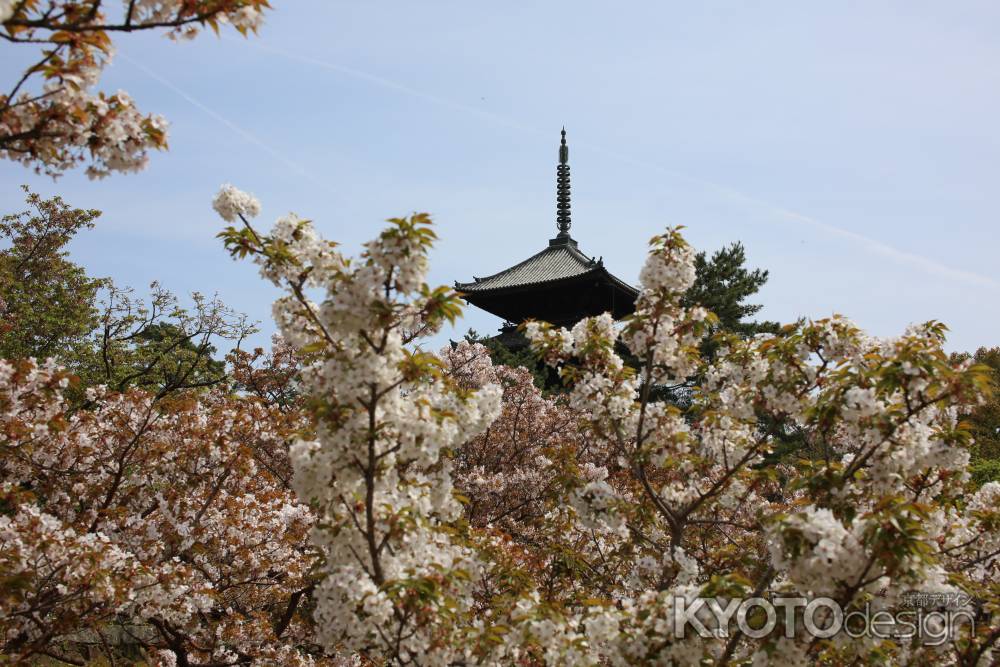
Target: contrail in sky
x=925, y=264
x=294, y=166
x=389, y=84
x=928, y=265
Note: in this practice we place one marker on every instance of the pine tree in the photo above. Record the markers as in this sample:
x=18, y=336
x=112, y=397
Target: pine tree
x=722, y=285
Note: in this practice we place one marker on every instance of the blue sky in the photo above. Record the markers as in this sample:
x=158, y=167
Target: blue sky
x=852, y=147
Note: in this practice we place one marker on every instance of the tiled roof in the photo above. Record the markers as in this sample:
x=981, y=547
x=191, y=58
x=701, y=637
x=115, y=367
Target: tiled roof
x=553, y=263
x=557, y=262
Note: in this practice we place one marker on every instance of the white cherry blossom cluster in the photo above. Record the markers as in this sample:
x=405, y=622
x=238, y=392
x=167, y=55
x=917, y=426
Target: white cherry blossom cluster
x=69, y=123
x=595, y=504
x=231, y=203
x=7, y=9
x=243, y=17
x=816, y=551
x=661, y=332
x=375, y=472
x=54, y=119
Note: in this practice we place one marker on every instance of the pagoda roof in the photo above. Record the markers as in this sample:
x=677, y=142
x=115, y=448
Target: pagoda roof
x=561, y=261
x=560, y=284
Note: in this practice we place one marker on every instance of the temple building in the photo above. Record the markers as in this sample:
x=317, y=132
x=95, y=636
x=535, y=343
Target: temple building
x=560, y=284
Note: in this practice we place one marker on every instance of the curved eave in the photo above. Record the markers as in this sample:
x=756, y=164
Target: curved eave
x=561, y=301
x=473, y=289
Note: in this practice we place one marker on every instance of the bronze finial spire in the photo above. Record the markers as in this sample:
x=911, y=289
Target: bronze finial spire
x=562, y=189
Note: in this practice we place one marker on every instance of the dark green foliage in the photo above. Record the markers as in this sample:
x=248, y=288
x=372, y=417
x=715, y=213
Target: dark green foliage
x=164, y=338
x=984, y=471
x=158, y=345
x=722, y=285
x=50, y=307
x=984, y=421
x=47, y=306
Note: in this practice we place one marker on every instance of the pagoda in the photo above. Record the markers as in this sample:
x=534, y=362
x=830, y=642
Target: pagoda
x=560, y=285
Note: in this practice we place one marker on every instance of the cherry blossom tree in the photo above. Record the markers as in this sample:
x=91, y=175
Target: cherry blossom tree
x=52, y=119
x=655, y=508
x=148, y=529
x=270, y=375
x=438, y=509
x=510, y=471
